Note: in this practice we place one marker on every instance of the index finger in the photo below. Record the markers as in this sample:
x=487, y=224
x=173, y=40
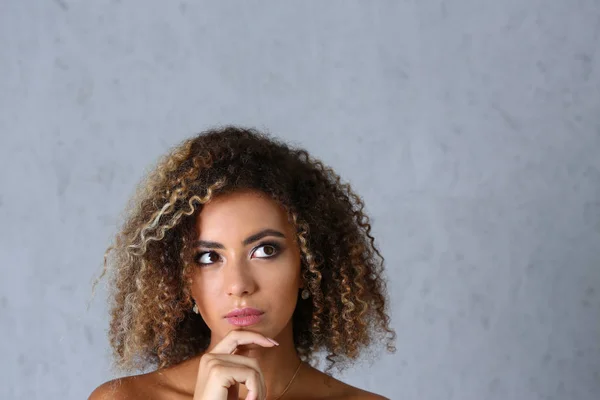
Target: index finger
x=236, y=338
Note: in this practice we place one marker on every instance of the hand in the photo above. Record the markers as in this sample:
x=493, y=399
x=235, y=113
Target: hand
x=221, y=371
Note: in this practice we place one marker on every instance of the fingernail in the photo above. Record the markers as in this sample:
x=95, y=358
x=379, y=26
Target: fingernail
x=272, y=341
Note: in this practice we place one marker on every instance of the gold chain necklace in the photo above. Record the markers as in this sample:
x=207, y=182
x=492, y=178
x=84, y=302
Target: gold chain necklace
x=290, y=382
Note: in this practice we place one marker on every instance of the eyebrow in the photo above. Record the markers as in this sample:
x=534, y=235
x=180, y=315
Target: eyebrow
x=250, y=239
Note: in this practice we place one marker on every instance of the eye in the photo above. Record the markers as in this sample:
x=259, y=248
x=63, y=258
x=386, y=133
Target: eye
x=266, y=250
x=205, y=258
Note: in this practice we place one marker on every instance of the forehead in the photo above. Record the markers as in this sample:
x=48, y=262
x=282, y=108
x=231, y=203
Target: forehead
x=240, y=214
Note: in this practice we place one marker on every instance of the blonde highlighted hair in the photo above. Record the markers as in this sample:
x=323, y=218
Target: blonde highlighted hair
x=152, y=323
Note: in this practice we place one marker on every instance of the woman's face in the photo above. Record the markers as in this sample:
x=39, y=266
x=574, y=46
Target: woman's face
x=246, y=255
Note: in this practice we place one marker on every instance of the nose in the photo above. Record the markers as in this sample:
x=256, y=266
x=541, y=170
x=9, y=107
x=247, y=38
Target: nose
x=238, y=277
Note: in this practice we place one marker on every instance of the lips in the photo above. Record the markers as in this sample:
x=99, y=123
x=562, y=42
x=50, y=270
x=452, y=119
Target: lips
x=243, y=312
x=242, y=317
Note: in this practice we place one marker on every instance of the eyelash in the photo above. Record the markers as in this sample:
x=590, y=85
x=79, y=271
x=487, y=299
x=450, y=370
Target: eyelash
x=274, y=245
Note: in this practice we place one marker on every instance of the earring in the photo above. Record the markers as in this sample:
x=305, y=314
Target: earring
x=305, y=294
x=195, y=308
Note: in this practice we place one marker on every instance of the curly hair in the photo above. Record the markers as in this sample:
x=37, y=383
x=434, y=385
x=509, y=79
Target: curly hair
x=150, y=259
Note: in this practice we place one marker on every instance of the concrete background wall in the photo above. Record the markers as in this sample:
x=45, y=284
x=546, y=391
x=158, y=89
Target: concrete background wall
x=470, y=127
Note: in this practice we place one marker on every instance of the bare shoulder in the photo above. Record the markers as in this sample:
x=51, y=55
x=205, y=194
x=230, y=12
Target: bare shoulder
x=150, y=386
x=331, y=388
x=117, y=389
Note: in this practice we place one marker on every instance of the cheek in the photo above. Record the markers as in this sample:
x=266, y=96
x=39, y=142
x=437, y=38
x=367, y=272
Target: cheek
x=280, y=299
x=279, y=277
x=204, y=289
x=283, y=276
x=203, y=282
x=281, y=285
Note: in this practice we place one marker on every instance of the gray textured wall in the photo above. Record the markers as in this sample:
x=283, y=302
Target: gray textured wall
x=471, y=128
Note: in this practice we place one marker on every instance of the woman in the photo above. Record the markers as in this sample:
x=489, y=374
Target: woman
x=240, y=257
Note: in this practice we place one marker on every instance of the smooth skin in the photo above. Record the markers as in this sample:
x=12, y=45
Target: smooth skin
x=247, y=257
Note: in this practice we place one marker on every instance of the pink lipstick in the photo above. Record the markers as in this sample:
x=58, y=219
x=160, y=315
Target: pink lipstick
x=244, y=316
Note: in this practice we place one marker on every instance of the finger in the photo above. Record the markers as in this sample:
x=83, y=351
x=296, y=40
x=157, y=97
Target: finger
x=229, y=375
x=232, y=387
x=236, y=338
x=233, y=359
x=236, y=360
